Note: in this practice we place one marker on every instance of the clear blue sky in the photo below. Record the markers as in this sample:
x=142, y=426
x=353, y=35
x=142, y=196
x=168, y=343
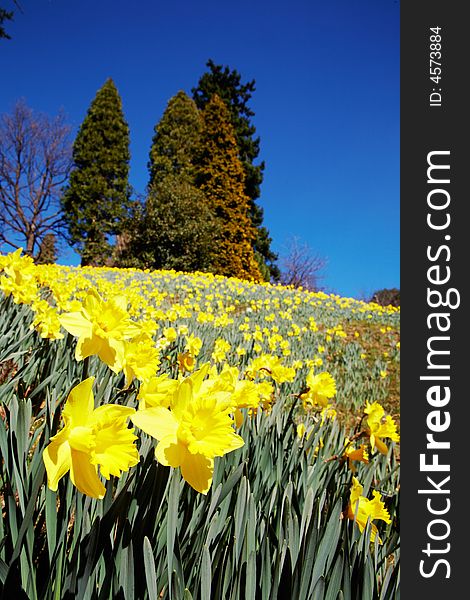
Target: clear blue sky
x=326, y=103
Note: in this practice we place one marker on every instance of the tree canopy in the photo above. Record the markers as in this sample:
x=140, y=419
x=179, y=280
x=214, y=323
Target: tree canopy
x=97, y=200
x=220, y=176
x=175, y=227
x=227, y=84
x=174, y=144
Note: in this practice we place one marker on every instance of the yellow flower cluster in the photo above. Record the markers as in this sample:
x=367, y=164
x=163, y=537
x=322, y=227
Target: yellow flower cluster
x=199, y=349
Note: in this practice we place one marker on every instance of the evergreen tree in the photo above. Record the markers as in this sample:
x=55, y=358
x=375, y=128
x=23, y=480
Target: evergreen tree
x=48, y=250
x=227, y=85
x=175, y=228
x=97, y=200
x=175, y=141
x=220, y=176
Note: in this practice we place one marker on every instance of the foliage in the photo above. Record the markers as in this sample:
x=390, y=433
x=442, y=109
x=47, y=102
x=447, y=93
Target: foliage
x=35, y=160
x=5, y=15
x=175, y=142
x=175, y=229
x=276, y=521
x=220, y=177
x=97, y=199
x=226, y=83
x=48, y=250
x=386, y=297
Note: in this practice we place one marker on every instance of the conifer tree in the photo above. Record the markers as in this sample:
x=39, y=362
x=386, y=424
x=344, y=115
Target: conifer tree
x=175, y=141
x=220, y=176
x=227, y=85
x=97, y=200
x=175, y=228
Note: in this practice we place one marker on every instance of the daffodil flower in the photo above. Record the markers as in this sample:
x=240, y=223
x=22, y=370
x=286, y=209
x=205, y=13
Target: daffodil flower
x=20, y=277
x=186, y=362
x=362, y=510
x=91, y=438
x=101, y=327
x=157, y=391
x=378, y=429
x=321, y=388
x=267, y=364
x=354, y=454
x=196, y=430
x=140, y=359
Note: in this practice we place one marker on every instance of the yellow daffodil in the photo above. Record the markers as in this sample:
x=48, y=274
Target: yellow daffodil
x=328, y=413
x=90, y=438
x=352, y=454
x=193, y=345
x=362, y=510
x=269, y=365
x=170, y=335
x=19, y=279
x=221, y=347
x=243, y=393
x=101, y=327
x=378, y=429
x=14, y=265
x=157, y=391
x=140, y=359
x=196, y=430
x=320, y=388
x=46, y=322
x=186, y=362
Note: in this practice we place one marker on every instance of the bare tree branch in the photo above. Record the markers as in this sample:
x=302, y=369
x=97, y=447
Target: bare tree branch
x=300, y=266
x=35, y=161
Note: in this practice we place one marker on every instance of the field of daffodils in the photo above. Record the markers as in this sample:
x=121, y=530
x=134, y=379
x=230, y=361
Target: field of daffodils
x=187, y=436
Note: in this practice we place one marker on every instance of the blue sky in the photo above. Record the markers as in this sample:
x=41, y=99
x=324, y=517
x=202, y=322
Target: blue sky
x=326, y=103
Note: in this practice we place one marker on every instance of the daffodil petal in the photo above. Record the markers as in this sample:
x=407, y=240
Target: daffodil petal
x=76, y=324
x=80, y=403
x=381, y=447
x=110, y=411
x=182, y=398
x=87, y=346
x=197, y=470
x=84, y=475
x=157, y=421
x=198, y=377
x=217, y=442
x=114, y=450
x=356, y=491
x=238, y=417
x=169, y=453
x=111, y=352
x=57, y=459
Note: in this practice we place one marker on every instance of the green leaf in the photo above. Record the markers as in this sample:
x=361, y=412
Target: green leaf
x=172, y=519
x=206, y=574
x=328, y=544
x=149, y=566
x=334, y=584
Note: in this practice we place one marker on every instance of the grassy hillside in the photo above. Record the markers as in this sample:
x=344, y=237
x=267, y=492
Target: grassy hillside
x=285, y=413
